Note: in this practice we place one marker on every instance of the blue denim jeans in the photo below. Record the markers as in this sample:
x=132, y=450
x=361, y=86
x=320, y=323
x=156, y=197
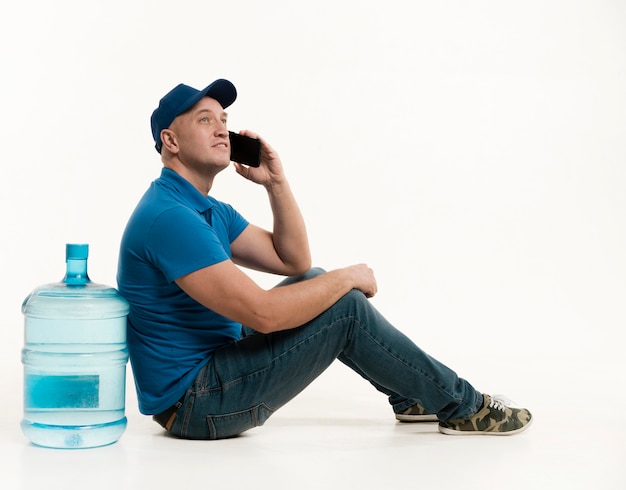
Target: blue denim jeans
x=246, y=381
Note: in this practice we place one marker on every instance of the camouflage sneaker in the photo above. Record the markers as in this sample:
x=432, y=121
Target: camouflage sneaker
x=416, y=413
x=495, y=418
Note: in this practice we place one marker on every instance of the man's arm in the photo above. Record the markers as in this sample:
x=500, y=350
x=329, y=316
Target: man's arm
x=225, y=289
x=286, y=249
x=283, y=251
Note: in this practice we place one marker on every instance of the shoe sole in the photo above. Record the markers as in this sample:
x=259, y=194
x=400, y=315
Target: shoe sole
x=453, y=432
x=416, y=418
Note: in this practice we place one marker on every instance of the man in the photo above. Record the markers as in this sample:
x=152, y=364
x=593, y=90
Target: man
x=197, y=370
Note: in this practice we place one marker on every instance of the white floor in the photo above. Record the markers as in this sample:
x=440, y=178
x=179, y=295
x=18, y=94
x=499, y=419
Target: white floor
x=339, y=434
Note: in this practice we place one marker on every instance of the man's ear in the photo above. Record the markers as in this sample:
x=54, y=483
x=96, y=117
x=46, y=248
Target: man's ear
x=168, y=137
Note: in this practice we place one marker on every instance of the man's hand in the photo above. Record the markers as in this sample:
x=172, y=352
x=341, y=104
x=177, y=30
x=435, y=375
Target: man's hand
x=270, y=172
x=362, y=278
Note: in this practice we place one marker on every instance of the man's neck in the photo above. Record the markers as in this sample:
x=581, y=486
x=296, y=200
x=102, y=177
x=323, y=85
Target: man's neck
x=202, y=182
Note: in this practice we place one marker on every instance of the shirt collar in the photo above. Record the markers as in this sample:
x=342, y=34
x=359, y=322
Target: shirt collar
x=186, y=190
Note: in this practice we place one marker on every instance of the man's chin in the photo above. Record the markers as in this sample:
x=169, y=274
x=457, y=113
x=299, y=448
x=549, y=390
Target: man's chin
x=222, y=165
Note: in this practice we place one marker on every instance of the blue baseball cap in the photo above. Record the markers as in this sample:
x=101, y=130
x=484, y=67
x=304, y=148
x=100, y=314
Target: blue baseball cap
x=183, y=97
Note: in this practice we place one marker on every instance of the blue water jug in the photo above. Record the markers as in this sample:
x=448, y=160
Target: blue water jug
x=74, y=360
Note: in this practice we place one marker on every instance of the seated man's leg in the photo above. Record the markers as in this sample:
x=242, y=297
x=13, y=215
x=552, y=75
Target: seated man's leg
x=246, y=381
x=406, y=410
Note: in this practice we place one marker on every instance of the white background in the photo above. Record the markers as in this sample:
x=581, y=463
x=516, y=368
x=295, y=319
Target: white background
x=472, y=152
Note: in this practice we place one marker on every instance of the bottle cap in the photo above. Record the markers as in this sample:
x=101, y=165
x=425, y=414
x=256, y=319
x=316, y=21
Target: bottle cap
x=76, y=251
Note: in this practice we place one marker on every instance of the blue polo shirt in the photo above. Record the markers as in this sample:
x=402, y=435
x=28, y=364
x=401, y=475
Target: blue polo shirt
x=174, y=230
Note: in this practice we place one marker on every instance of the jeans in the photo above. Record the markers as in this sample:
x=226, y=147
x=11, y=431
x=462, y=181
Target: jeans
x=246, y=381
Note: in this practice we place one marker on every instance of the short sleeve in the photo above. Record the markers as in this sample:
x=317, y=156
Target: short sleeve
x=181, y=241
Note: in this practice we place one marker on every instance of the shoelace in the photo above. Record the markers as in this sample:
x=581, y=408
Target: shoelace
x=500, y=402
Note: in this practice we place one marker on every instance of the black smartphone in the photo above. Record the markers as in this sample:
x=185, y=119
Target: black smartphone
x=244, y=149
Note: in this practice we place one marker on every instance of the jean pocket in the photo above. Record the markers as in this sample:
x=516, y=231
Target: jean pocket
x=232, y=424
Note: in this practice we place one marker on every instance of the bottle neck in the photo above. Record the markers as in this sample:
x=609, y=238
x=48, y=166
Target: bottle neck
x=76, y=272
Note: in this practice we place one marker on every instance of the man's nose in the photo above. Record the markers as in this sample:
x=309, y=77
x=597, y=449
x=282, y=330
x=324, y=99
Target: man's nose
x=221, y=128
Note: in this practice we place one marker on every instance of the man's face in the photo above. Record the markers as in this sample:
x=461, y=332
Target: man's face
x=202, y=135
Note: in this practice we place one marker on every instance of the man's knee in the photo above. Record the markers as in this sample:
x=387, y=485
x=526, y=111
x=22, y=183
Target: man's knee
x=310, y=274
x=313, y=272
x=355, y=300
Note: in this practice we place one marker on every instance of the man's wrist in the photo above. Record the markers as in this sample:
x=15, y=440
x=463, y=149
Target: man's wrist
x=277, y=187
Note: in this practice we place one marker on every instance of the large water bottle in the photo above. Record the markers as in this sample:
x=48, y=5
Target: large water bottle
x=74, y=360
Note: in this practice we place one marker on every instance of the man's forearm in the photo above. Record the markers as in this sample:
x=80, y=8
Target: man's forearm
x=289, y=233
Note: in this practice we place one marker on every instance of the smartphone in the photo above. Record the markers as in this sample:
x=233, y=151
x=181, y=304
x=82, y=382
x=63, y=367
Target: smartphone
x=244, y=149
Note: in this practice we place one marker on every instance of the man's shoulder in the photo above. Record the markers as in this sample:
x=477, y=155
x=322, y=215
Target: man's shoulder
x=159, y=206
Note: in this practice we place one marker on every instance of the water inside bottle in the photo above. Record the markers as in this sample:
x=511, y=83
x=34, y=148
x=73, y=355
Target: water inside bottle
x=74, y=359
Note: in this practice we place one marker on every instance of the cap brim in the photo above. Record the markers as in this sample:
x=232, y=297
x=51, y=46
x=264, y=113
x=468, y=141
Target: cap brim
x=221, y=90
